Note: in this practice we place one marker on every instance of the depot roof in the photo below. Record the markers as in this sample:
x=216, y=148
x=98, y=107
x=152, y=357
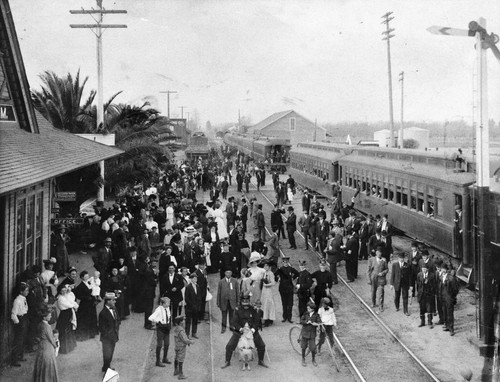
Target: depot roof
x=28, y=158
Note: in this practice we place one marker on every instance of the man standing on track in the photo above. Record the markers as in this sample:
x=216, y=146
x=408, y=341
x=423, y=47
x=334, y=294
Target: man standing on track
x=277, y=220
x=449, y=291
x=400, y=281
x=261, y=223
x=291, y=226
x=303, y=286
x=286, y=275
x=306, y=201
x=304, y=222
x=377, y=271
x=426, y=289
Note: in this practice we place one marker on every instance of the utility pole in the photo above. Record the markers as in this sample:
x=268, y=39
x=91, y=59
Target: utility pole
x=387, y=36
x=168, y=92
x=182, y=111
x=400, y=137
x=98, y=29
x=187, y=121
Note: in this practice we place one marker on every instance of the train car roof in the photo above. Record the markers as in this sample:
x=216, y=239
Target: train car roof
x=328, y=155
x=413, y=168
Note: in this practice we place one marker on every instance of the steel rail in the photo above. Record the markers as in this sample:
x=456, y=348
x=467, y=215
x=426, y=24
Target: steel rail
x=374, y=316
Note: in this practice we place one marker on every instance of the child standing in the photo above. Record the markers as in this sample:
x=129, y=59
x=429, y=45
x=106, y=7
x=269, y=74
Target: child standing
x=328, y=319
x=181, y=341
x=309, y=320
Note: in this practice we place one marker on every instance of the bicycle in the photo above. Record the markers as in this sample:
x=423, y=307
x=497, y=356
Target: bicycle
x=295, y=337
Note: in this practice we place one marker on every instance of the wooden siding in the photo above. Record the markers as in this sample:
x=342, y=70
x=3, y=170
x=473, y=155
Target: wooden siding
x=8, y=278
x=305, y=131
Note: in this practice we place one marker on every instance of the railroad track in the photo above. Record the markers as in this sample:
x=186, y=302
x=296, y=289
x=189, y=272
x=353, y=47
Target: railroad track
x=371, y=350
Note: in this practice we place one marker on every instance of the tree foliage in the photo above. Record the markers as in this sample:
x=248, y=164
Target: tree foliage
x=61, y=102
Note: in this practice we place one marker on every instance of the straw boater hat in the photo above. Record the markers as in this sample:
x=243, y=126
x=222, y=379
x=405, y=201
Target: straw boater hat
x=254, y=257
x=110, y=296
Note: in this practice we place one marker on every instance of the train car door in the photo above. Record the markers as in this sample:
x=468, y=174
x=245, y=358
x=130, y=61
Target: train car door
x=335, y=175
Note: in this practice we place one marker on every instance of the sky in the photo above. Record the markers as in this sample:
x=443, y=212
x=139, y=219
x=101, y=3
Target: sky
x=323, y=58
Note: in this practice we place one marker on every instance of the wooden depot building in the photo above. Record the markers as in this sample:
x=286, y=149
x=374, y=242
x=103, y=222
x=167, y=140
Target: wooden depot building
x=32, y=155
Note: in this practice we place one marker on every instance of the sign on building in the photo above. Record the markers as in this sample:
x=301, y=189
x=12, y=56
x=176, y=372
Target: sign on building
x=66, y=196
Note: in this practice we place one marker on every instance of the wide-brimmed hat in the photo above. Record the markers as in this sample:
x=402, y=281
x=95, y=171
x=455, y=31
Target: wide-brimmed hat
x=254, y=257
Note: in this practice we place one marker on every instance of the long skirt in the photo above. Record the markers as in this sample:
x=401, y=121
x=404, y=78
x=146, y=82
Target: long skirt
x=45, y=364
x=67, y=337
x=268, y=306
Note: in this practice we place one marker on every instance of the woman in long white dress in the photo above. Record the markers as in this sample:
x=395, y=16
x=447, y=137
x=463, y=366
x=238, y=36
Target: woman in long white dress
x=256, y=274
x=268, y=306
x=221, y=224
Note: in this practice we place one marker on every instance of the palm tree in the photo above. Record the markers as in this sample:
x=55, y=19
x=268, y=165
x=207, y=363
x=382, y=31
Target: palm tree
x=60, y=101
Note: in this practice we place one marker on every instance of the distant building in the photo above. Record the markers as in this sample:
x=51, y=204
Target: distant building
x=421, y=136
x=291, y=125
x=32, y=155
x=383, y=137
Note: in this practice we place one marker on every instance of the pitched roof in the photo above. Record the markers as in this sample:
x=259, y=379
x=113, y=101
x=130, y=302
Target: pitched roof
x=269, y=120
x=28, y=158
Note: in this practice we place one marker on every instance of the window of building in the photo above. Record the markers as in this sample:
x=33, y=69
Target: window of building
x=29, y=226
x=292, y=124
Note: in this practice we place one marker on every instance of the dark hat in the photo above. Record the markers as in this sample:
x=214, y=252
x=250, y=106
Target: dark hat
x=401, y=255
x=290, y=208
x=193, y=275
x=379, y=248
x=302, y=263
x=176, y=238
x=202, y=261
x=285, y=258
x=424, y=266
x=444, y=266
x=62, y=226
x=322, y=262
x=414, y=244
x=311, y=304
x=36, y=269
x=425, y=252
x=71, y=269
x=245, y=300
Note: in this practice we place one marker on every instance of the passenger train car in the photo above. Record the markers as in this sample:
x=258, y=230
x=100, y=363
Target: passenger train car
x=259, y=148
x=420, y=191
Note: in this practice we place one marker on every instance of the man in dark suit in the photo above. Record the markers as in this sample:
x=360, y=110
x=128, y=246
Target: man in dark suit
x=277, y=220
x=351, y=254
x=306, y=201
x=244, y=215
x=109, y=326
x=171, y=287
x=304, y=222
x=291, y=226
x=400, y=281
x=304, y=284
x=202, y=283
x=192, y=298
x=148, y=278
x=449, y=292
x=286, y=275
x=426, y=290
x=322, y=231
x=120, y=243
x=104, y=257
x=228, y=293
x=261, y=223
x=230, y=211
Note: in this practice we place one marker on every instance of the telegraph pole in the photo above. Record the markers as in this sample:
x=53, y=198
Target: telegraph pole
x=387, y=36
x=98, y=29
x=400, y=137
x=168, y=92
x=182, y=111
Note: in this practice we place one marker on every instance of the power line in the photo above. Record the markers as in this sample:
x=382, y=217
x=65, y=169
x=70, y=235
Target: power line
x=387, y=36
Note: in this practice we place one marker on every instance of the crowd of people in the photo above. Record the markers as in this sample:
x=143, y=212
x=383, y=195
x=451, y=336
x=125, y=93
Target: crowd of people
x=158, y=236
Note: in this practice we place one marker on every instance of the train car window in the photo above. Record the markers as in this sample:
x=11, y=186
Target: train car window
x=398, y=193
x=438, y=205
x=413, y=200
x=420, y=202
